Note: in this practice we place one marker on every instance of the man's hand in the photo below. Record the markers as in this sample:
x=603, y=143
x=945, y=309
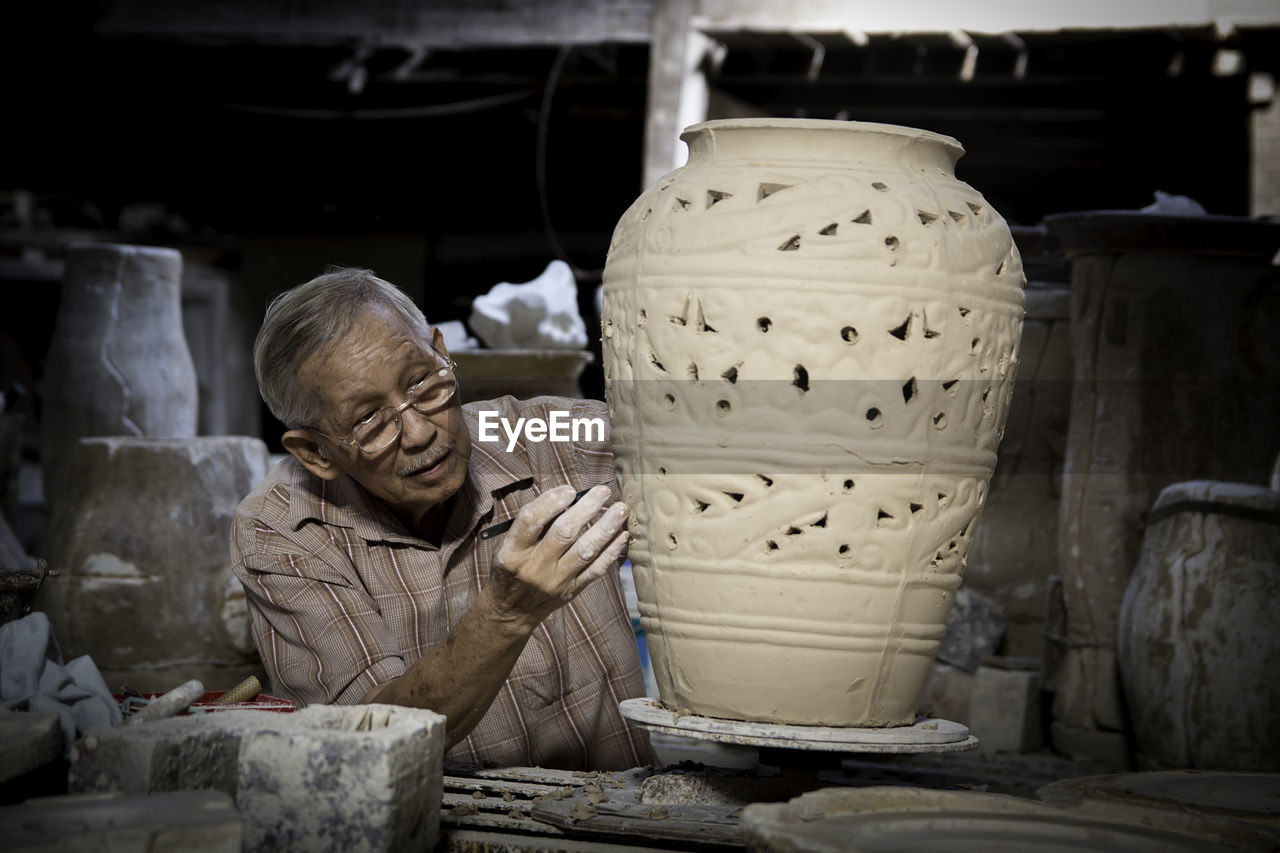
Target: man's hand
x=550, y=554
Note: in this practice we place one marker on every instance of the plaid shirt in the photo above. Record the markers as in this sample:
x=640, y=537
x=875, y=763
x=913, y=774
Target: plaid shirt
x=343, y=598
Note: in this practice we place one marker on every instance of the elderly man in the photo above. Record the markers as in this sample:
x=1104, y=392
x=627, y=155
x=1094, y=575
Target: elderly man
x=366, y=576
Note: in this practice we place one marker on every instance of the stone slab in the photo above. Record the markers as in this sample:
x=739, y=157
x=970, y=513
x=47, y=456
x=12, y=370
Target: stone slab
x=190, y=821
x=28, y=740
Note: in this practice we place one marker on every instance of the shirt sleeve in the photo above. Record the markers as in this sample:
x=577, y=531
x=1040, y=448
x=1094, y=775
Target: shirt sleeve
x=321, y=639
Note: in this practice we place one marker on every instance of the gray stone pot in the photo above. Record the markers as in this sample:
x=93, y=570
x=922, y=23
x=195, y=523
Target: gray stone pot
x=118, y=363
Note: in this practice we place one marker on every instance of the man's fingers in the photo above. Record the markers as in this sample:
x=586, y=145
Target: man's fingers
x=589, y=545
x=534, y=516
x=567, y=529
x=611, y=554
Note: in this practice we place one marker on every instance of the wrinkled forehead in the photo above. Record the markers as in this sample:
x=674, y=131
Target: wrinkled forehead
x=376, y=346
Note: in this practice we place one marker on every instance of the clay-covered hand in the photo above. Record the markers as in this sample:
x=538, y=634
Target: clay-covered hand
x=550, y=553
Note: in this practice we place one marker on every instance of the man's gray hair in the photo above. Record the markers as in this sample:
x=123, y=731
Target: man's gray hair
x=311, y=319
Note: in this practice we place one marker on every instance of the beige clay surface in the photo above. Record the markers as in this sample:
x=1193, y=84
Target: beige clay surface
x=810, y=335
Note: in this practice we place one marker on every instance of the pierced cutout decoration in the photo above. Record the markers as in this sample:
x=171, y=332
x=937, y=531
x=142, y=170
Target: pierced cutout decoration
x=822, y=522
x=731, y=374
x=791, y=244
x=891, y=242
x=693, y=371
x=716, y=196
x=863, y=218
x=976, y=208
x=878, y=186
x=763, y=323
x=830, y=230
x=679, y=204
x=958, y=217
x=766, y=190
x=849, y=334
x=653, y=359
x=736, y=497
x=800, y=378
x=926, y=218
x=909, y=390
x=767, y=482
x=700, y=506
x=901, y=332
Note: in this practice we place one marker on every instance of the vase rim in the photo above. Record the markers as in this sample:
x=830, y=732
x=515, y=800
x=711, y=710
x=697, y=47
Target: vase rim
x=822, y=124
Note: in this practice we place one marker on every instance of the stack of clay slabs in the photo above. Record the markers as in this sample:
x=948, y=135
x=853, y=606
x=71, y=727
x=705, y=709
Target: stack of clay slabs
x=919, y=819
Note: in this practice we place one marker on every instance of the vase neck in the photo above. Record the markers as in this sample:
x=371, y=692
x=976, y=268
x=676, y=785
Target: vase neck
x=809, y=140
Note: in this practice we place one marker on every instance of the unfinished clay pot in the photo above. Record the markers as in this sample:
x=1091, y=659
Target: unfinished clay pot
x=118, y=362
x=810, y=334
x=144, y=583
x=1197, y=644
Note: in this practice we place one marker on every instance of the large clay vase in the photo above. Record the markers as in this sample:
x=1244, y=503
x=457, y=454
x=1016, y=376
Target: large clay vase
x=118, y=362
x=810, y=334
x=1198, y=647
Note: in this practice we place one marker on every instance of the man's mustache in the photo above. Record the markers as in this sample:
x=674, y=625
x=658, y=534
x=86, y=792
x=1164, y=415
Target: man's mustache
x=426, y=459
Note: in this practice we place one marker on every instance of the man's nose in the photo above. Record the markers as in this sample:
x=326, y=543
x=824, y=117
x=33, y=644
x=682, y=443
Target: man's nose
x=416, y=429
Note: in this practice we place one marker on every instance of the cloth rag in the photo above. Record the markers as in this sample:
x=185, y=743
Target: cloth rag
x=34, y=678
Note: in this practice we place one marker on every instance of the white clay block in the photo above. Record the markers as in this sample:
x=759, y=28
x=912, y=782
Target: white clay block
x=538, y=314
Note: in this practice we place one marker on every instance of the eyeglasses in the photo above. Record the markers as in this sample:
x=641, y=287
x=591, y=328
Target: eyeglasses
x=377, y=430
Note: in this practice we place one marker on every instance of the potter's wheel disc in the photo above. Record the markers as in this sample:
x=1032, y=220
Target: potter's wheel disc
x=924, y=736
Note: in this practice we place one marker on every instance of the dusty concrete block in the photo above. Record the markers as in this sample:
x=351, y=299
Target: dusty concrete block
x=357, y=777
x=182, y=753
x=948, y=693
x=191, y=821
x=975, y=627
x=1004, y=710
x=363, y=777
x=28, y=739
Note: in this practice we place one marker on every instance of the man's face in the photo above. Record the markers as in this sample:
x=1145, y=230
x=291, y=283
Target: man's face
x=372, y=367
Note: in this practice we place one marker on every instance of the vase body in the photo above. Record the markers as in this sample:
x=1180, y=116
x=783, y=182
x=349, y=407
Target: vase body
x=810, y=333
x=118, y=362
x=1176, y=378
x=1197, y=645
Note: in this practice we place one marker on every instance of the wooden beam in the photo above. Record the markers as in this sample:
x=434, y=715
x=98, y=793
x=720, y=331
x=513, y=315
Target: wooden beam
x=425, y=23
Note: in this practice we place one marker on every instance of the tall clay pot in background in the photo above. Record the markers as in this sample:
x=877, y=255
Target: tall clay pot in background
x=1176, y=378
x=118, y=363
x=810, y=335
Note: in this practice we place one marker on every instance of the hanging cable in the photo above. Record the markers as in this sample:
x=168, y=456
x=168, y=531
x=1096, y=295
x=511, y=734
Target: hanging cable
x=540, y=166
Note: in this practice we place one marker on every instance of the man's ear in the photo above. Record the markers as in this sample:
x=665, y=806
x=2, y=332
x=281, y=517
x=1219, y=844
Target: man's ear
x=437, y=341
x=304, y=447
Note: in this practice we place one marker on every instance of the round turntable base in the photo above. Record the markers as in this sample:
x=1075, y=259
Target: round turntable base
x=926, y=736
